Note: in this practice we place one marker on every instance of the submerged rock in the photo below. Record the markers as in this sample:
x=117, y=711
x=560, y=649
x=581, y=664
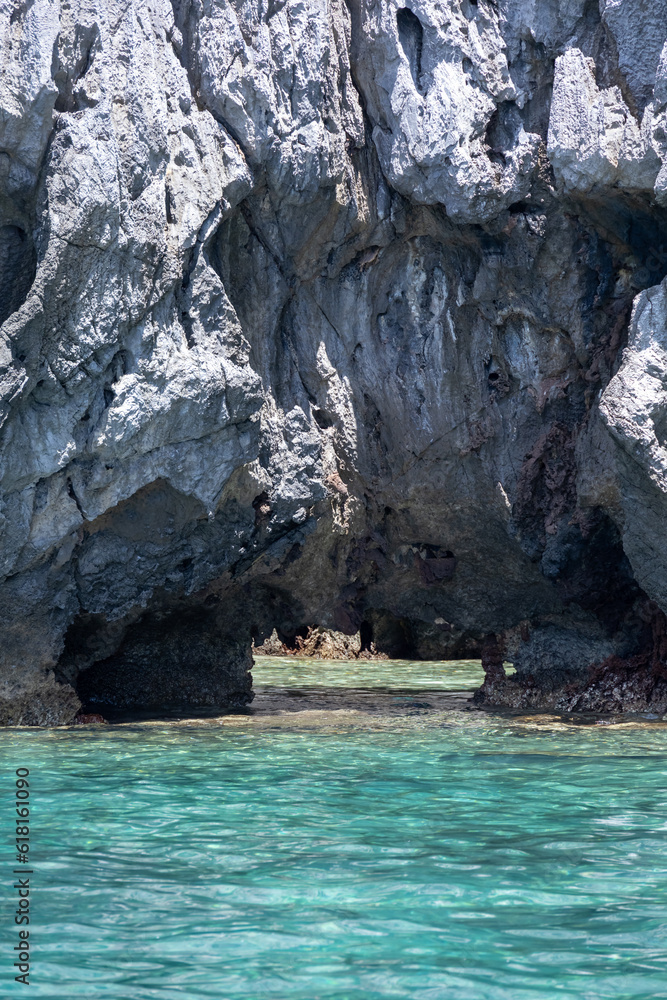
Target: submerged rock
x=88, y=718
x=347, y=316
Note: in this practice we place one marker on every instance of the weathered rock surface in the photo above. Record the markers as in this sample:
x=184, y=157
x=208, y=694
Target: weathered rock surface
x=321, y=644
x=333, y=314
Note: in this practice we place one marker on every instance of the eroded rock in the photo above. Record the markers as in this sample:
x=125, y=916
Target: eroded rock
x=327, y=316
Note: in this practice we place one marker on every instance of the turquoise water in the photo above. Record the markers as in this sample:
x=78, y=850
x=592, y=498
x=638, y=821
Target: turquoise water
x=464, y=861
x=423, y=675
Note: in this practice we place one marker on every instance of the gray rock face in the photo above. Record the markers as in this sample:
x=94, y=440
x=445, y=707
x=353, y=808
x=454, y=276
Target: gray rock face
x=327, y=314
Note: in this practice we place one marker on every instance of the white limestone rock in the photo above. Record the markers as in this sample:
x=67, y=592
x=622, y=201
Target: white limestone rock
x=594, y=140
x=433, y=78
x=634, y=409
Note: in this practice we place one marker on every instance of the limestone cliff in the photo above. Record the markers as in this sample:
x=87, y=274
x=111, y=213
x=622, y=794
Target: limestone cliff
x=327, y=313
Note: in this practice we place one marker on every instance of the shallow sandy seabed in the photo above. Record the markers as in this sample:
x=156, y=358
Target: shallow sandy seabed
x=372, y=709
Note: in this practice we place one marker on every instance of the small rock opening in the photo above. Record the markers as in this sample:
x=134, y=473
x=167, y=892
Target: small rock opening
x=366, y=635
x=498, y=380
x=322, y=419
x=411, y=37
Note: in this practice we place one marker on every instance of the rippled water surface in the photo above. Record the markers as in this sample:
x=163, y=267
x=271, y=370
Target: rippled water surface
x=464, y=861
x=432, y=675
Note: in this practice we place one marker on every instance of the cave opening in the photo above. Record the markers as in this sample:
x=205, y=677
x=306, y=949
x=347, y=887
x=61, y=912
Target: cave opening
x=381, y=635
x=169, y=662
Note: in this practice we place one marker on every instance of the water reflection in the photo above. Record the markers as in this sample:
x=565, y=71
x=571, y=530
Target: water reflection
x=405, y=675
